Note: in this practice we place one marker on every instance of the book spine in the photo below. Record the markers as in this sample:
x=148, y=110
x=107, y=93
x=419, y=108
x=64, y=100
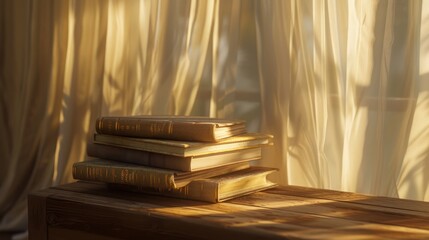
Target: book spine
x=139, y=157
x=127, y=176
x=162, y=129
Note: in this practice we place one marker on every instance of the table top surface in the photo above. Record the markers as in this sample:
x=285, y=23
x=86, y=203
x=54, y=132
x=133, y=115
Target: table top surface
x=285, y=212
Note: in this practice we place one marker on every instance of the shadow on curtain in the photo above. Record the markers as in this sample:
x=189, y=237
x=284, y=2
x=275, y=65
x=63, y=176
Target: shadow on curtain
x=342, y=85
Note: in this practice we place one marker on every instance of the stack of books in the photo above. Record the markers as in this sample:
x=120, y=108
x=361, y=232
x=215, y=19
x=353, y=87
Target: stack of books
x=198, y=158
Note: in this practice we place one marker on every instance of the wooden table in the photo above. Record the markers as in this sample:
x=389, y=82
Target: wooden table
x=90, y=211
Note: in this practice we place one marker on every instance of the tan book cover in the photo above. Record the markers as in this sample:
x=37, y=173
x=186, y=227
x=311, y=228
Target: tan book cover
x=159, y=160
x=186, y=148
x=183, y=128
x=214, y=189
x=102, y=170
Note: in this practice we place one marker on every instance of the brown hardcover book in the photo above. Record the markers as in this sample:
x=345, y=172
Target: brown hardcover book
x=215, y=189
x=183, y=128
x=151, y=159
x=101, y=170
x=186, y=149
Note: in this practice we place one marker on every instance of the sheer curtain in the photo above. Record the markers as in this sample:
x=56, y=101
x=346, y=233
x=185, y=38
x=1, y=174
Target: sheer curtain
x=344, y=89
x=343, y=86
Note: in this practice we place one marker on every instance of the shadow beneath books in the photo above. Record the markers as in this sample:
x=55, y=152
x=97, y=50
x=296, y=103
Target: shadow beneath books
x=101, y=189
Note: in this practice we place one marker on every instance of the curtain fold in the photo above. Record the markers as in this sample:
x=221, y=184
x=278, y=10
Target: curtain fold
x=342, y=85
x=339, y=85
x=274, y=63
x=413, y=179
x=30, y=103
x=83, y=81
x=381, y=93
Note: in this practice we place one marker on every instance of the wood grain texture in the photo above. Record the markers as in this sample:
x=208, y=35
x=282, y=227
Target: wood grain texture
x=123, y=218
x=69, y=234
x=274, y=214
x=413, y=205
x=37, y=225
x=335, y=209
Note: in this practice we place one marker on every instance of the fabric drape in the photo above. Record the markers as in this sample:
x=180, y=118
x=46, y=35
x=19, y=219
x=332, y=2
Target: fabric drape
x=342, y=85
x=343, y=104
x=31, y=94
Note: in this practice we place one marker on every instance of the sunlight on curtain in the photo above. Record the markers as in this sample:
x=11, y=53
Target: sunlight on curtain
x=382, y=75
x=414, y=178
x=274, y=50
x=340, y=81
x=84, y=54
x=163, y=43
x=342, y=85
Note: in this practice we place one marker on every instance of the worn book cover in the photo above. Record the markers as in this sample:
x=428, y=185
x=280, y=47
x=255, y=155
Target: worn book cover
x=102, y=170
x=214, y=189
x=159, y=160
x=186, y=148
x=183, y=128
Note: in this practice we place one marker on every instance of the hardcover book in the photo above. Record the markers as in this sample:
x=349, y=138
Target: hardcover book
x=214, y=189
x=203, y=129
x=187, y=149
x=102, y=170
x=159, y=160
